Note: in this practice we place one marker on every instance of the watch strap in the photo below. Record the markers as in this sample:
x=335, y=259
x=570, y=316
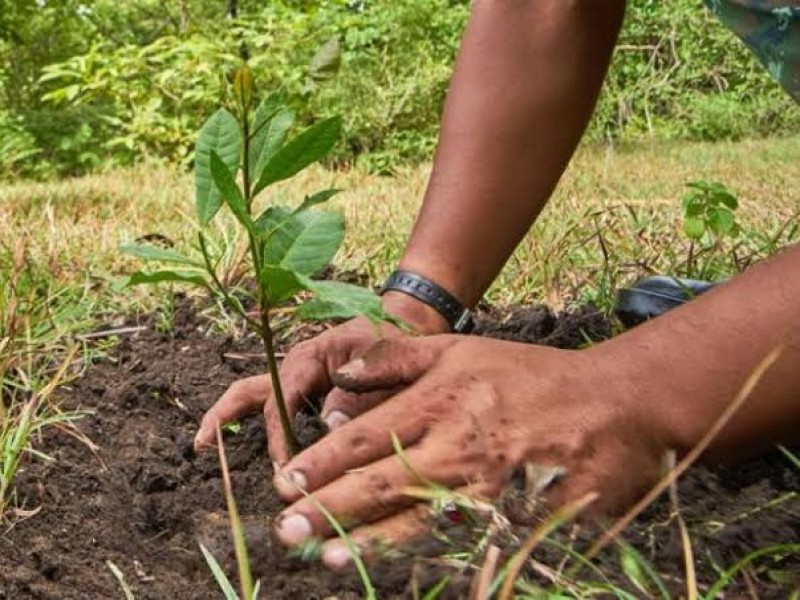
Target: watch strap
x=456, y=314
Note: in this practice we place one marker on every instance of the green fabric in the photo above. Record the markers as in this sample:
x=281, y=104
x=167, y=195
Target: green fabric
x=771, y=29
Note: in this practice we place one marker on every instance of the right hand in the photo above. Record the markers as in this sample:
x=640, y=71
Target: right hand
x=307, y=370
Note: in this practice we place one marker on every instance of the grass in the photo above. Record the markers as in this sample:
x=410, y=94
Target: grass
x=615, y=216
x=38, y=317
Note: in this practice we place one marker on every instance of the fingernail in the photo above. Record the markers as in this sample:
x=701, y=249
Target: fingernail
x=353, y=368
x=198, y=444
x=335, y=419
x=275, y=467
x=294, y=530
x=289, y=484
x=336, y=555
x=297, y=479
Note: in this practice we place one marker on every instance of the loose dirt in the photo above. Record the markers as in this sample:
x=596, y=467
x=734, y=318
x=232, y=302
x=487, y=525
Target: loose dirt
x=133, y=493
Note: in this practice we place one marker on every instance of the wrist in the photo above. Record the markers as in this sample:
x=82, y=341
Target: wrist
x=423, y=319
x=650, y=392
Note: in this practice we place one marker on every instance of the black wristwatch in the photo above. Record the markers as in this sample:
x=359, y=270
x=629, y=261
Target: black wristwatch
x=457, y=315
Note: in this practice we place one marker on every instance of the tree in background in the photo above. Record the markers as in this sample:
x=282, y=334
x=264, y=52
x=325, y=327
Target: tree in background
x=105, y=82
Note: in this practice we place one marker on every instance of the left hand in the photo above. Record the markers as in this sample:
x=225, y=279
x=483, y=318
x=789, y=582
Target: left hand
x=476, y=411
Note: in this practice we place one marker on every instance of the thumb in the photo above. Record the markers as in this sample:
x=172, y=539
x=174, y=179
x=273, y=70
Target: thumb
x=392, y=363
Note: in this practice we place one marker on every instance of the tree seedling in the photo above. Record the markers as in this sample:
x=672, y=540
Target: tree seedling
x=239, y=154
x=709, y=208
x=709, y=217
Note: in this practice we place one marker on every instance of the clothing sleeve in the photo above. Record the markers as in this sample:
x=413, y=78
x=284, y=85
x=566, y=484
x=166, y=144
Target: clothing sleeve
x=771, y=29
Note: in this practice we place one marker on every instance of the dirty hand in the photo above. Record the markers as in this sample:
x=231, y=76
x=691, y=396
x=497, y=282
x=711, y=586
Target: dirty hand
x=306, y=372
x=475, y=412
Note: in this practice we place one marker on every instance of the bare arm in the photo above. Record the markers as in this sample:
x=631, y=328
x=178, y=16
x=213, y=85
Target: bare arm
x=691, y=363
x=525, y=85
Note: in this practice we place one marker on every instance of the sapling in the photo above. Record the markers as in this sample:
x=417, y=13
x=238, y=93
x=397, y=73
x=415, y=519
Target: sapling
x=709, y=213
x=239, y=154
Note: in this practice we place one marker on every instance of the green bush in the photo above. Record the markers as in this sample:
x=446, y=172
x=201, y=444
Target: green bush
x=17, y=147
x=677, y=74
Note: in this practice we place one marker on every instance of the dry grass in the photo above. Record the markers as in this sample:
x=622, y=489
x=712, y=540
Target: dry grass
x=616, y=215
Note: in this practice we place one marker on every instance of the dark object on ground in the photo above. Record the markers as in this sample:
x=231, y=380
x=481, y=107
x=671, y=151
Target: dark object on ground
x=141, y=501
x=653, y=296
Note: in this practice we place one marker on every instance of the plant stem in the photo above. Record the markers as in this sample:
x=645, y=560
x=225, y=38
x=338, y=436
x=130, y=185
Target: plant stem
x=246, y=158
x=292, y=445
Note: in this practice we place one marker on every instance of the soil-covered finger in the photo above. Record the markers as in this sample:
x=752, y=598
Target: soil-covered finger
x=363, y=441
x=341, y=407
x=242, y=398
x=371, y=541
x=303, y=374
x=383, y=485
x=392, y=363
x=408, y=529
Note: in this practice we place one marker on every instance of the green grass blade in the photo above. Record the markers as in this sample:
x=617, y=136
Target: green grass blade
x=793, y=458
x=222, y=579
x=433, y=593
x=729, y=574
x=366, y=581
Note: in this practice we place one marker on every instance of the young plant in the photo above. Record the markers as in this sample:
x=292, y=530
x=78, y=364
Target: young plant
x=709, y=209
x=286, y=245
x=709, y=217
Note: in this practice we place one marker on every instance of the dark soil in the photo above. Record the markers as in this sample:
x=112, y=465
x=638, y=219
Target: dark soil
x=136, y=496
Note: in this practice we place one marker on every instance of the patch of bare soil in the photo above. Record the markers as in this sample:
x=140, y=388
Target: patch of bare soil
x=141, y=500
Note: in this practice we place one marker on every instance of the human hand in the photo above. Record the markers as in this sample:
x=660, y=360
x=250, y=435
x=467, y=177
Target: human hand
x=477, y=410
x=306, y=372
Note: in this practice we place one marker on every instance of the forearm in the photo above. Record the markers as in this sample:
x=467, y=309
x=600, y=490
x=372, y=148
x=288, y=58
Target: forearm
x=525, y=85
x=692, y=362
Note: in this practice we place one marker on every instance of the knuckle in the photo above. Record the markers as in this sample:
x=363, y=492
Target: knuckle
x=237, y=387
x=303, y=351
x=382, y=490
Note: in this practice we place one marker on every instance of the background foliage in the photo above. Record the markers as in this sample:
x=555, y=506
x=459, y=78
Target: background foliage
x=90, y=82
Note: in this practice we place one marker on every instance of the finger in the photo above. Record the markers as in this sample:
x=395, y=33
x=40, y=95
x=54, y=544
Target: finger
x=402, y=528
x=242, y=398
x=368, y=541
x=341, y=406
x=360, y=442
x=303, y=375
x=392, y=363
x=619, y=487
x=383, y=489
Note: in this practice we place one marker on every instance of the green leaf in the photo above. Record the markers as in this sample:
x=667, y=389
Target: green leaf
x=641, y=572
x=140, y=277
x=149, y=252
x=304, y=242
x=631, y=567
x=280, y=284
x=727, y=199
x=305, y=149
x=318, y=198
x=326, y=61
x=271, y=123
x=231, y=193
x=694, y=227
x=337, y=300
x=720, y=220
x=693, y=206
x=220, y=134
